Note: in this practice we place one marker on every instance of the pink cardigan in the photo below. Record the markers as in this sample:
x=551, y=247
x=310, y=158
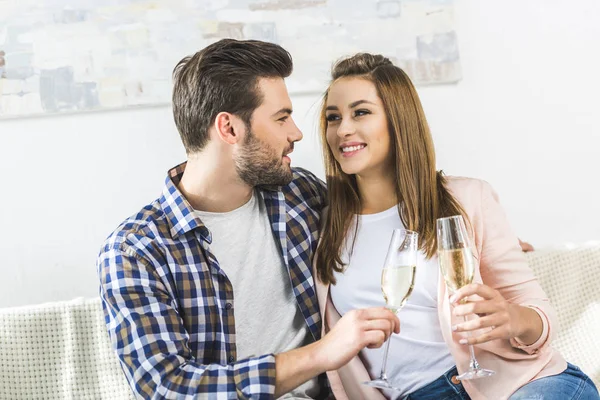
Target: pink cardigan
x=502, y=266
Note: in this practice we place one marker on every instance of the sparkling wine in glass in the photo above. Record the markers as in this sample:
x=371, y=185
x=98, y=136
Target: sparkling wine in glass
x=397, y=282
x=458, y=267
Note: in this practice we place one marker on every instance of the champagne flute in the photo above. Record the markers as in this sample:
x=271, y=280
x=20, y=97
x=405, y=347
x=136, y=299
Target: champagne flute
x=458, y=267
x=397, y=282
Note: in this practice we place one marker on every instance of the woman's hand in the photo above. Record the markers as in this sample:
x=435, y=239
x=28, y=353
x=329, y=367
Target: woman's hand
x=507, y=320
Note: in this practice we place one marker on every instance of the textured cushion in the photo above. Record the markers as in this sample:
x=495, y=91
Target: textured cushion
x=571, y=278
x=58, y=351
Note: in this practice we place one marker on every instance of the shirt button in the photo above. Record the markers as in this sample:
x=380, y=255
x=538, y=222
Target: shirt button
x=455, y=380
x=228, y=306
x=231, y=359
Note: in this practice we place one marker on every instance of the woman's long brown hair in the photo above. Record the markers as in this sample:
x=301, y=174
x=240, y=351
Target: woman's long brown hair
x=421, y=190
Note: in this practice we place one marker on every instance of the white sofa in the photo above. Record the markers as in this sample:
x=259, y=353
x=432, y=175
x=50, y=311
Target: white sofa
x=61, y=350
x=58, y=351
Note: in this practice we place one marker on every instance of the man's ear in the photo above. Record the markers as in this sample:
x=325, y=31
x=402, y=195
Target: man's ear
x=229, y=128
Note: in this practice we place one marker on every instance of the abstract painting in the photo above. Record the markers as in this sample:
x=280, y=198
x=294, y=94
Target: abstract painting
x=60, y=56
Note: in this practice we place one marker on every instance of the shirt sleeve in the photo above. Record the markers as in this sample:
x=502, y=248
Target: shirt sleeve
x=152, y=344
x=538, y=344
x=504, y=267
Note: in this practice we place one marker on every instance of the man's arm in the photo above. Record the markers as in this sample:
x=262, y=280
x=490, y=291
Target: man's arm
x=153, y=345
x=355, y=331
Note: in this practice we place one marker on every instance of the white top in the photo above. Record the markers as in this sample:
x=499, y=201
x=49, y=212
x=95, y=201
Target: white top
x=418, y=355
x=267, y=317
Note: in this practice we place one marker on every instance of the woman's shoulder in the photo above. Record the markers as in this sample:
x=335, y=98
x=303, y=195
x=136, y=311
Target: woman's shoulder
x=470, y=192
x=462, y=185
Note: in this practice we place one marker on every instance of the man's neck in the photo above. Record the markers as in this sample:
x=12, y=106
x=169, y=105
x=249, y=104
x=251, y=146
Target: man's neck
x=377, y=192
x=211, y=184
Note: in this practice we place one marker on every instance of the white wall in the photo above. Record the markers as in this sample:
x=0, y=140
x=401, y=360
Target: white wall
x=525, y=117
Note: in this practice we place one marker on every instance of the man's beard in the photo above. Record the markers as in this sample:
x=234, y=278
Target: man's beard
x=258, y=164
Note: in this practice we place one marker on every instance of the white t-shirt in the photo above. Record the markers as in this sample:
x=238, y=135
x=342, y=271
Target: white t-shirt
x=267, y=316
x=418, y=355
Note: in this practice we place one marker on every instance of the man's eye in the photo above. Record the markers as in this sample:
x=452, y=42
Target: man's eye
x=331, y=118
x=283, y=119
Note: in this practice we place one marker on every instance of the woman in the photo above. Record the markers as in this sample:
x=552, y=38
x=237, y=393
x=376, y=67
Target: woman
x=381, y=175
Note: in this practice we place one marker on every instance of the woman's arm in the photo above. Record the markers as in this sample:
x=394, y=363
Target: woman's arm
x=514, y=302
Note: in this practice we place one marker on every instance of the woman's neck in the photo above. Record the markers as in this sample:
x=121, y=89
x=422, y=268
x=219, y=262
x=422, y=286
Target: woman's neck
x=377, y=193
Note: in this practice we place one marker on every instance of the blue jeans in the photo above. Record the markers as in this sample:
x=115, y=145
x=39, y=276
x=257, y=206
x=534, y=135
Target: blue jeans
x=441, y=389
x=571, y=384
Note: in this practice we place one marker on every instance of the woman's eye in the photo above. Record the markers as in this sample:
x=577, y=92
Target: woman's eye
x=331, y=118
x=359, y=113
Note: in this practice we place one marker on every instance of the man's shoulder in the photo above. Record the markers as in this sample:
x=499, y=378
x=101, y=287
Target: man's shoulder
x=306, y=182
x=301, y=174
x=146, y=225
x=305, y=190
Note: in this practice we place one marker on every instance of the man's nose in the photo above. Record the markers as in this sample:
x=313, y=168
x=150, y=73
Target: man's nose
x=296, y=133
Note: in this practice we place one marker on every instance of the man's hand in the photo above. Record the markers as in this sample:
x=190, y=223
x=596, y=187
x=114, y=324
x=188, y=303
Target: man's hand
x=526, y=247
x=356, y=330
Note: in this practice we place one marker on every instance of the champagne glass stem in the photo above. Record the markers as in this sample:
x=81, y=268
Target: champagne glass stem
x=473, y=365
x=475, y=371
x=383, y=374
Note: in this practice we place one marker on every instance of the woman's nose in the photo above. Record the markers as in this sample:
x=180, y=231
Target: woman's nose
x=346, y=128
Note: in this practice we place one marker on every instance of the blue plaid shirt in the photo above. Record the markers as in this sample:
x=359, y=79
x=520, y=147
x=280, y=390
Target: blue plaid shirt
x=169, y=306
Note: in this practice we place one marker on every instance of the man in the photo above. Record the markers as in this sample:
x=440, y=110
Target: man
x=526, y=247
x=207, y=291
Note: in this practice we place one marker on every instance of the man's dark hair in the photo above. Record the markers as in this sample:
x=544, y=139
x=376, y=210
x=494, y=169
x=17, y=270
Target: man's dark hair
x=223, y=77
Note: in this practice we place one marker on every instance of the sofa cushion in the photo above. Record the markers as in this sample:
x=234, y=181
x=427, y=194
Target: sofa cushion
x=570, y=275
x=58, y=351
